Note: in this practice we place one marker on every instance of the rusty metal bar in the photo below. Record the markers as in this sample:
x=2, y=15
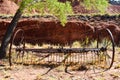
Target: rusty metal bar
x=63, y=50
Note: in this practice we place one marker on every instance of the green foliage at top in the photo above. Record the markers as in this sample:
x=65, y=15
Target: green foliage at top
x=60, y=9
x=50, y=6
x=24, y=4
x=100, y=5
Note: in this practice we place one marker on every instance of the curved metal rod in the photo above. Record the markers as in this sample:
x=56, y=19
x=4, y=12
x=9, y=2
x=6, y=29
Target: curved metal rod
x=11, y=43
x=113, y=46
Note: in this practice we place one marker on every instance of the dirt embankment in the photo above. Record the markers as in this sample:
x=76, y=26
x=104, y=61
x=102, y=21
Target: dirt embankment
x=44, y=30
x=7, y=7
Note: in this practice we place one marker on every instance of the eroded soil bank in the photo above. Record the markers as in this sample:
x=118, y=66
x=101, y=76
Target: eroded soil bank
x=49, y=30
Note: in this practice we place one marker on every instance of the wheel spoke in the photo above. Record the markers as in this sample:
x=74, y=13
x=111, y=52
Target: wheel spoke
x=105, y=58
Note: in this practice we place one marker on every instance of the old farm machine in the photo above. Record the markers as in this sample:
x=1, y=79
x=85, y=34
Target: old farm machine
x=95, y=50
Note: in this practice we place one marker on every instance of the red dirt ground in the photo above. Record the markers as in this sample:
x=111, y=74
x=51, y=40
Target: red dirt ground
x=7, y=7
x=114, y=9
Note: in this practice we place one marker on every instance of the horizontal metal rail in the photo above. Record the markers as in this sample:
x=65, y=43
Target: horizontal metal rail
x=62, y=50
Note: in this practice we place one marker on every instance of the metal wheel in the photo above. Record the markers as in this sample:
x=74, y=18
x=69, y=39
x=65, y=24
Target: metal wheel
x=105, y=56
x=17, y=41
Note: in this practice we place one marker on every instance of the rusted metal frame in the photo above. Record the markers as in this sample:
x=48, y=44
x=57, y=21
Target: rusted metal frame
x=96, y=50
x=63, y=50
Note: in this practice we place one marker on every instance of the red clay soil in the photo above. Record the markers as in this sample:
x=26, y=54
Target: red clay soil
x=49, y=31
x=7, y=7
x=114, y=9
x=52, y=32
x=79, y=9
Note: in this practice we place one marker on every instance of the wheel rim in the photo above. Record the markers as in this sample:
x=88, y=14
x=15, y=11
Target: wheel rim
x=15, y=43
x=106, y=57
